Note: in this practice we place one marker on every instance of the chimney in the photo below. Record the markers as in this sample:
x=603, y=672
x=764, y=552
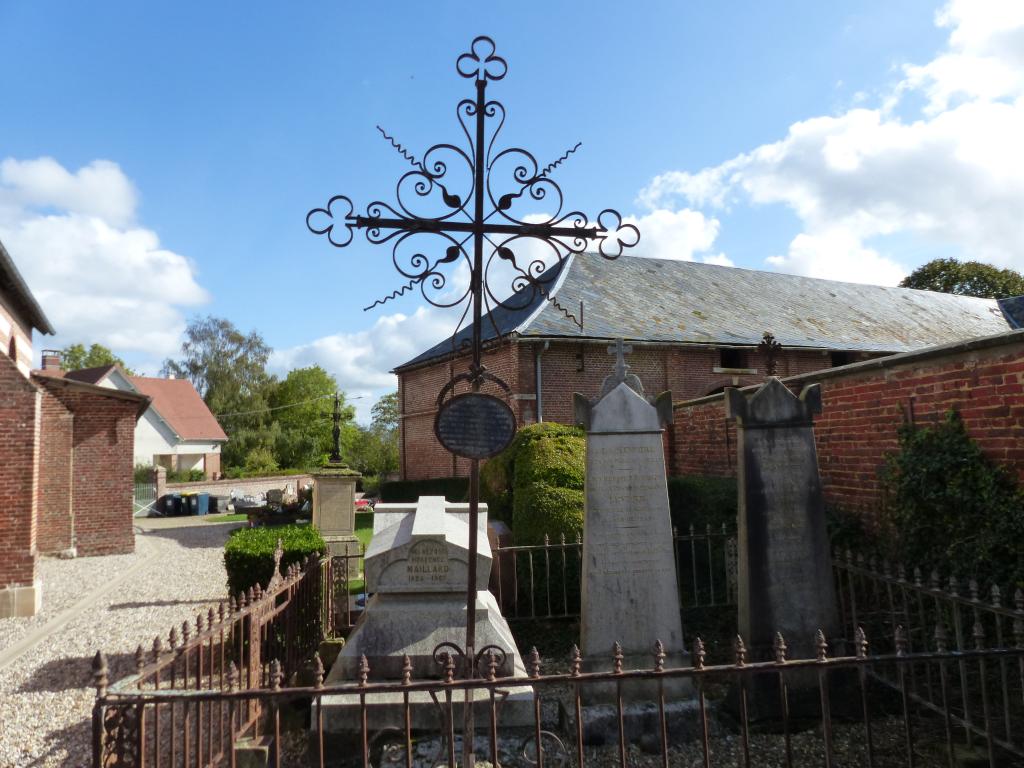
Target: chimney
x=52, y=360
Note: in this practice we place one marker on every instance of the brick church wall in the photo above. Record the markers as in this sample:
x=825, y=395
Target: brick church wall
x=19, y=458
x=55, y=517
x=566, y=367
x=103, y=478
x=863, y=404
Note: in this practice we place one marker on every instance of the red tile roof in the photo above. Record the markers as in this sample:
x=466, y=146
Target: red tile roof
x=181, y=407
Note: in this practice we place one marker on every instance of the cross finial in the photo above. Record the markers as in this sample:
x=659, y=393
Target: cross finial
x=336, y=432
x=620, y=349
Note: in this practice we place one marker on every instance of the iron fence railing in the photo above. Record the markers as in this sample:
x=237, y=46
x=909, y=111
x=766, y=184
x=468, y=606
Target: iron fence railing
x=903, y=606
x=853, y=719
x=543, y=580
x=144, y=498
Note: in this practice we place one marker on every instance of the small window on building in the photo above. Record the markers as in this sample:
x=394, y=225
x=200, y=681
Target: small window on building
x=730, y=357
x=842, y=358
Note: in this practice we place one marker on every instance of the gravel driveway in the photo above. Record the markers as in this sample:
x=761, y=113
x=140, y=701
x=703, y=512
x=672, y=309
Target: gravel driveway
x=45, y=694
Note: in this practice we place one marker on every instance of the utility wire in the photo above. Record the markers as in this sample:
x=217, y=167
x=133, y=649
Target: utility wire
x=286, y=405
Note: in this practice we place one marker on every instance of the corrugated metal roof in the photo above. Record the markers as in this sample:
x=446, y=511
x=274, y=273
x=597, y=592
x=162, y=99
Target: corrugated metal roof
x=686, y=302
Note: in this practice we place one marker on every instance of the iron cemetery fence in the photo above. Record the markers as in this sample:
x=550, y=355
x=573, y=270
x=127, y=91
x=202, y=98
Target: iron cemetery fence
x=542, y=581
x=980, y=700
x=856, y=720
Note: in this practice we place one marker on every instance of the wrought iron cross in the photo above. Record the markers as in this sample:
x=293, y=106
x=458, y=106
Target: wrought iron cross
x=769, y=349
x=475, y=193
x=335, y=457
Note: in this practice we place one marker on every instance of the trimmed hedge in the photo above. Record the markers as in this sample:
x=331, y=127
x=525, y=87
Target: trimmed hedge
x=536, y=484
x=700, y=500
x=405, y=491
x=249, y=553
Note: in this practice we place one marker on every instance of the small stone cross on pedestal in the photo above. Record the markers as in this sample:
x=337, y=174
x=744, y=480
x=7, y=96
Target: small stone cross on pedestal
x=620, y=349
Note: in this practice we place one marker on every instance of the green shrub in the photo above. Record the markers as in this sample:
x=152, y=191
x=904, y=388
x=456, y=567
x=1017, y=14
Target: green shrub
x=249, y=553
x=369, y=485
x=701, y=500
x=144, y=473
x=948, y=505
x=560, y=461
x=240, y=473
x=547, y=468
x=185, y=475
x=405, y=491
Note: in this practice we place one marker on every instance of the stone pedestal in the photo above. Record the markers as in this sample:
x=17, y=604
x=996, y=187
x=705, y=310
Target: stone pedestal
x=334, y=508
x=630, y=592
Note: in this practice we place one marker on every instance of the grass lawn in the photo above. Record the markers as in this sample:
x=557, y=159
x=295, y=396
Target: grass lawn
x=226, y=518
x=364, y=527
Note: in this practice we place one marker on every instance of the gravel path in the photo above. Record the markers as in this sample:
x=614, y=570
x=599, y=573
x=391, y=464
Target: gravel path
x=45, y=695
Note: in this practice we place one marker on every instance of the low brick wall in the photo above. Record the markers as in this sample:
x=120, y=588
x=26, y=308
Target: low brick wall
x=864, y=403
x=250, y=486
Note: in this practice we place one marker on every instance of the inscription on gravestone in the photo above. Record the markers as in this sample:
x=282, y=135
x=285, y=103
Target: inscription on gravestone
x=428, y=562
x=475, y=425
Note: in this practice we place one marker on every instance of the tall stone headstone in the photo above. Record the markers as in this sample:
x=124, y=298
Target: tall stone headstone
x=785, y=570
x=629, y=594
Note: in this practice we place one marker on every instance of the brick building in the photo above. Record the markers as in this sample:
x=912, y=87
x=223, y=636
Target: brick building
x=66, y=464
x=694, y=329
x=177, y=432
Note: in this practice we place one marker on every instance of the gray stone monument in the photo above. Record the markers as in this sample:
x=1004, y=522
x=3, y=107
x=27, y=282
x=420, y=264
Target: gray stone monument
x=785, y=570
x=416, y=569
x=629, y=593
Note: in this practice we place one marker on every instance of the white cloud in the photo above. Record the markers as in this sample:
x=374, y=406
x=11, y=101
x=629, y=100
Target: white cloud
x=667, y=234
x=360, y=361
x=951, y=175
x=99, y=277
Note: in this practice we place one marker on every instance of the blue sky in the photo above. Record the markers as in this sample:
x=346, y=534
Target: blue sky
x=157, y=159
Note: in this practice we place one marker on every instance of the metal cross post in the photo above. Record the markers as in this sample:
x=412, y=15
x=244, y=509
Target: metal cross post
x=336, y=431
x=490, y=216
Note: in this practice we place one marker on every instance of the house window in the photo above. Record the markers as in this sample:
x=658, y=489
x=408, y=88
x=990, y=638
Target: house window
x=730, y=357
x=841, y=358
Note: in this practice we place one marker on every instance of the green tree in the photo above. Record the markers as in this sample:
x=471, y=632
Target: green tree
x=75, y=357
x=229, y=370
x=966, y=278
x=375, y=450
x=302, y=405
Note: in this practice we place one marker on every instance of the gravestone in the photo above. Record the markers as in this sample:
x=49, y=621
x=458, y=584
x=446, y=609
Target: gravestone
x=785, y=570
x=629, y=593
x=416, y=569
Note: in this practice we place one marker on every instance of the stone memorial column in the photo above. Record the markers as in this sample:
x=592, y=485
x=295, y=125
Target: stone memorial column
x=629, y=593
x=785, y=570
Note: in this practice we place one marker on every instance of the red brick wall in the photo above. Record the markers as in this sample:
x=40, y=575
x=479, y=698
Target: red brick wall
x=687, y=371
x=19, y=475
x=55, y=520
x=103, y=479
x=863, y=405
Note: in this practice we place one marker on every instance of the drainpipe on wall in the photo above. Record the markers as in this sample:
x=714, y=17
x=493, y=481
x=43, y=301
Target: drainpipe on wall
x=539, y=383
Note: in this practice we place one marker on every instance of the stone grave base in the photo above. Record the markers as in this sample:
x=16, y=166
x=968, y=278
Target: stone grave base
x=386, y=711
x=395, y=625
x=641, y=724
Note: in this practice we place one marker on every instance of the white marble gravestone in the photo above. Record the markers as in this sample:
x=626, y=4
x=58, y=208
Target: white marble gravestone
x=629, y=594
x=416, y=569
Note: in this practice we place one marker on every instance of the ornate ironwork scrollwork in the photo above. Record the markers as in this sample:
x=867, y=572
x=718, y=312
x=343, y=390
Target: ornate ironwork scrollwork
x=496, y=210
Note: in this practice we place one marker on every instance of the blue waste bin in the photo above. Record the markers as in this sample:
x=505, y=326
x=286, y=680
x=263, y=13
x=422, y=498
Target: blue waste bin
x=202, y=503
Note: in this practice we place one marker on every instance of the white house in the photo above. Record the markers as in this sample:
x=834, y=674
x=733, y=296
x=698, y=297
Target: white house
x=177, y=431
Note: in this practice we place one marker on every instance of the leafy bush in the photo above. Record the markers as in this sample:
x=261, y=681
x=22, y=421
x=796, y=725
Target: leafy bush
x=240, y=473
x=405, y=491
x=249, y=553
x=369, y=485
x=947, y=504
x=702, y=500
x=260, y=461
x=185, y=475
x=144, y=473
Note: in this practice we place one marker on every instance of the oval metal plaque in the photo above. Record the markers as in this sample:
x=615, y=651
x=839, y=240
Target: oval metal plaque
x=475, y=426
